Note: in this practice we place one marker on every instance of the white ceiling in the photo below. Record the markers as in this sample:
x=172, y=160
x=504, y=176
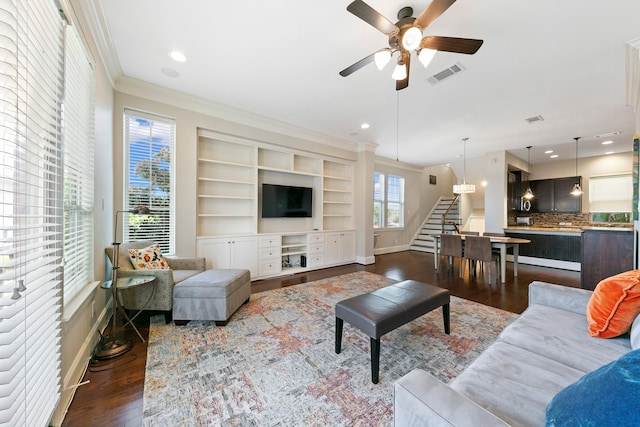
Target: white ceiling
x=563, y=60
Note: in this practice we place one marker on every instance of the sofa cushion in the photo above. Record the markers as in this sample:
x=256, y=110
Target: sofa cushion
x=217, y=283
x=635, y=334
x=604, y=397
x=148, y=258
x=514, y=384
x=562, y=336
x=614, y=305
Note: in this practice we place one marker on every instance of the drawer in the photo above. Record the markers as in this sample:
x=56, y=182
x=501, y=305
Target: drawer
x=266, y=253
x=316, y=249
x=316, y=238
x=267, y=268
x=315, y=260
x=270, y=241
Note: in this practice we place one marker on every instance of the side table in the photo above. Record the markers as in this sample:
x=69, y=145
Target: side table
x=114, y=347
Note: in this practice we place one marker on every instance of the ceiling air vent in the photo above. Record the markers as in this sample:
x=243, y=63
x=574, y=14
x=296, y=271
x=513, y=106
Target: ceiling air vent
x=534, y=119
x=447, y=72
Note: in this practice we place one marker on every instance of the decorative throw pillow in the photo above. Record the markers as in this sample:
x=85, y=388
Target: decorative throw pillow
x=604, y=397
x=148, y=258
x=614, y=305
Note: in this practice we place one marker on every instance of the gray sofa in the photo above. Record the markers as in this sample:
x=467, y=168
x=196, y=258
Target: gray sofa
x=543, y=351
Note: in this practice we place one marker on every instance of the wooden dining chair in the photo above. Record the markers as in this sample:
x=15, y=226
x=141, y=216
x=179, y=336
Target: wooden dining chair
x=477, y=249
x=451, y=248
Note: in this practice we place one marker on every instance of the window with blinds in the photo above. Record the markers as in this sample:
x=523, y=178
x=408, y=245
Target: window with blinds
x=31, y=212
x=388, y=201
x=610, y=198
x=149, y=144
x=78, y=128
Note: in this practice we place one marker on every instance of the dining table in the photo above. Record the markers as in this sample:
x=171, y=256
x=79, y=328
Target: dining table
x=499, y=242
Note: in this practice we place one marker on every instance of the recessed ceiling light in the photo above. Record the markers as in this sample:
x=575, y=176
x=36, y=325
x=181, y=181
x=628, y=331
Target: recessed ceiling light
x=177, y=56
x=607, y=142
x=553, y=156
x=548, y=152
x=365, y=126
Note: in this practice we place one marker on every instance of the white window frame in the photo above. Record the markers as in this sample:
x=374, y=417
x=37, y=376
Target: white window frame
x=160, y=134
x=79, y=141
x=381, y=199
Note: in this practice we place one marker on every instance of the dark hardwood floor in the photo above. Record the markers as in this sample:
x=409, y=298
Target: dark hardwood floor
x=113, y=396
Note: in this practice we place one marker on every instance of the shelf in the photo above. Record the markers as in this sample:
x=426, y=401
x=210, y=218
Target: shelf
x=224, y=162
x=222, y=215
x=226, y=181
x=294, y=253
x=294, y=172
x=330, y=202
x=206, y=196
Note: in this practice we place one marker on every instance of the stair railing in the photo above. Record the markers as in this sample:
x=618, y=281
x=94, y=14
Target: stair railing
x=444, y=215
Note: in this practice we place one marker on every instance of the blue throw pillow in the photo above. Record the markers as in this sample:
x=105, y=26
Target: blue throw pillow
x=607, y=396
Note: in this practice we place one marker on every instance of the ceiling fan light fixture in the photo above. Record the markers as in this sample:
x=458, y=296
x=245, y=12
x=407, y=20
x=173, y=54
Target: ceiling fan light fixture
x=382, y=57
x=411, y=38
x=400, y=72
x=426, y=55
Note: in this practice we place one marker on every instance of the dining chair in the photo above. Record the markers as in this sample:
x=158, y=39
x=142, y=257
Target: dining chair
x=451, y=247
x=478, y=248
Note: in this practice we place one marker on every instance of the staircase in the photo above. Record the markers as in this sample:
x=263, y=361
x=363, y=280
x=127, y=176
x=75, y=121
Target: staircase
x=433, y=224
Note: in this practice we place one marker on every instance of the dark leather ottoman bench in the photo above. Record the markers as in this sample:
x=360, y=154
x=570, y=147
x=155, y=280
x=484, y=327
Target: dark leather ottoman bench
x=388, y=308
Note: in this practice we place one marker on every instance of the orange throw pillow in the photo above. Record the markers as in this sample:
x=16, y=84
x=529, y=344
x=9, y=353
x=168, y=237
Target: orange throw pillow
x=614, y=305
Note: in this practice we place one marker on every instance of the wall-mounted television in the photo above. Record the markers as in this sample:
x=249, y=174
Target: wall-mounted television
x=285, y=201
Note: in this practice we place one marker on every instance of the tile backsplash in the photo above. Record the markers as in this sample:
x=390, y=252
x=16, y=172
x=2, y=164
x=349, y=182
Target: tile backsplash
x=551, y=219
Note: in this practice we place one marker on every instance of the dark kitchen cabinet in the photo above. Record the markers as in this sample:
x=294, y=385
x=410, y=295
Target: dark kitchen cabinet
x=604, y=253
x=554, y=195
x=517, y=185
x=551, y=246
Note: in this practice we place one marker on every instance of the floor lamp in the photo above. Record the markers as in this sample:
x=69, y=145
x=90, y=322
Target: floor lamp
x=113, y=347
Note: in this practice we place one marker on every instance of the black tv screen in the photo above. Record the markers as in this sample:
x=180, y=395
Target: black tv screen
x=284, y=201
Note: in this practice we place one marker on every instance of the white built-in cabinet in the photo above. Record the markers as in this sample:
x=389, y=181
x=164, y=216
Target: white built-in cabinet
x=230, y=230
x=340, y=247
x=230, y=252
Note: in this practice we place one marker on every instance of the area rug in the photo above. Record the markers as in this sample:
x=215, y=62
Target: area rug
x=274, y=363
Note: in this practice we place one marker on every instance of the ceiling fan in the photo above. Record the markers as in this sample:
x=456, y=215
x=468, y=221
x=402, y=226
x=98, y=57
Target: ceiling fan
x=405, y=36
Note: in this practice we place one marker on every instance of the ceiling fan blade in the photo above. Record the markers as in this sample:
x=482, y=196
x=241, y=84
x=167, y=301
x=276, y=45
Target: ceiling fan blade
x=403, y=84
x=355, y=67
x=372, y=17
x=451, y=44
x=432, y=12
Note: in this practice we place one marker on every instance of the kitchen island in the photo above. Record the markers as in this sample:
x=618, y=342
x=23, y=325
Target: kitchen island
x=597, y=252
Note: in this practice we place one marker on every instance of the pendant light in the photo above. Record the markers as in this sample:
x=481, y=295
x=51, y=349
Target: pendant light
x=576, y=187
x=528, y=194
x=464, y=187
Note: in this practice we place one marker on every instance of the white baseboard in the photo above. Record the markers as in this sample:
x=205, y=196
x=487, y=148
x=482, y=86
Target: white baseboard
x=543, y=262
x=76, y=371
x=391, y=249
x=366, y=260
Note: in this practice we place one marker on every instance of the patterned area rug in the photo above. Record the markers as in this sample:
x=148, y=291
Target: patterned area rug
x=274, y=363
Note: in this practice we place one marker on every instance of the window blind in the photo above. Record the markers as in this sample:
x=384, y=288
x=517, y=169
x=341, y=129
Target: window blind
x=612, y=193
x=31, y=71
x=78, y=128
x=149, y=143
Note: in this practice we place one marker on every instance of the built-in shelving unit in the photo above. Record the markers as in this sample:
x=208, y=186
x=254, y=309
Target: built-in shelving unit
x=230, y=175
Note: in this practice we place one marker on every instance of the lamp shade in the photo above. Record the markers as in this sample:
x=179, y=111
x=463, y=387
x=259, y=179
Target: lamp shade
x=400, y=72
x=382, y=58
x=426, y=55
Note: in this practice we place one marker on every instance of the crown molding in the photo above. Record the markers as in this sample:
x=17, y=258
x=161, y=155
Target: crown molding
x=89, y=16
x=156, y=93
x=397, y=164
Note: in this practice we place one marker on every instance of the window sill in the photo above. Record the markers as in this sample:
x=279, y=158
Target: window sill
x=78, y=301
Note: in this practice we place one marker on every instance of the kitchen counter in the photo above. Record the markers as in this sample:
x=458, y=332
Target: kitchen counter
x=567, y=230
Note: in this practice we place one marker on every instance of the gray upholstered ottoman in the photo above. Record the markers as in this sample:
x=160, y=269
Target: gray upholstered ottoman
x=211, y=295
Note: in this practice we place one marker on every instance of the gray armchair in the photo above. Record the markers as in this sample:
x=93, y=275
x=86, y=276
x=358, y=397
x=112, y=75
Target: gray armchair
x=138, y=298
